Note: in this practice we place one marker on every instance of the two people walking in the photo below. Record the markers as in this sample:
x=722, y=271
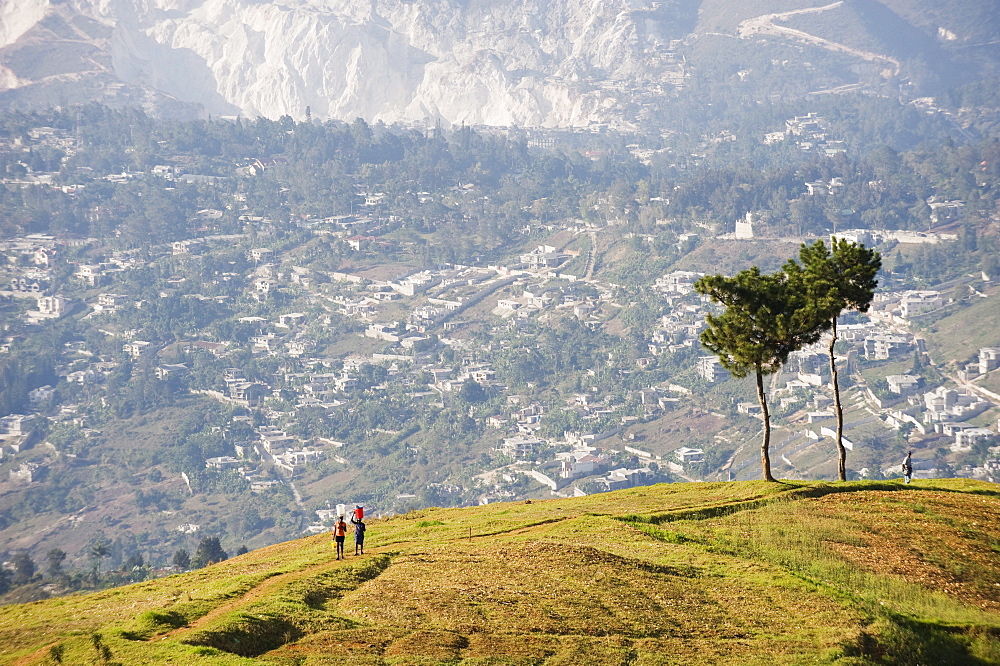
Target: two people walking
x=340, y=533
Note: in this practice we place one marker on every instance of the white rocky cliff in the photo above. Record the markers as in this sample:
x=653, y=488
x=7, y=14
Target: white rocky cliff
x=531, y=63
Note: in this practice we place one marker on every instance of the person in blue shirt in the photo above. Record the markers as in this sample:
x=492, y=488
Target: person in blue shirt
x=359, y=535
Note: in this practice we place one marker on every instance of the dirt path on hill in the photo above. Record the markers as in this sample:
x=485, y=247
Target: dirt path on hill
x=588, y=274
x=838, y=90
x=728, y=466
x=249, y=596
x=765, y=25
x=296, y=494
x=276, y=582
x=253, y=594
x=36, y=656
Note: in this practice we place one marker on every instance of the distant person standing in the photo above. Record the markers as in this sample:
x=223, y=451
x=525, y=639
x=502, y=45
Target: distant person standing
x=908, y=466
x=339, y=533
x=359, y=535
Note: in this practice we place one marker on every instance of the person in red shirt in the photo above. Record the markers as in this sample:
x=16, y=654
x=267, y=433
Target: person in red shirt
x=339, y=532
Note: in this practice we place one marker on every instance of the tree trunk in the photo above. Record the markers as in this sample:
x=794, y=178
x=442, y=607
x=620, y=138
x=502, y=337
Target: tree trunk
x=838, y=407
x=765, y=454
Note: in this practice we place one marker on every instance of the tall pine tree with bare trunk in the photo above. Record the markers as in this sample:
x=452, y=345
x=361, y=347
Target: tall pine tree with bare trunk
x=764, y=321
x=834, y=279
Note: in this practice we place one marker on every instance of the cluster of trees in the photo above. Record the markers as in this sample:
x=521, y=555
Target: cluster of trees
x=24, y=573
x=312, y=169
x=768, y=316
x=20, y=374
x=209, y=551
x=320, y=169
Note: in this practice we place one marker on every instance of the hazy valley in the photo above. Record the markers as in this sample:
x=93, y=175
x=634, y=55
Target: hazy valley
x=258, y=260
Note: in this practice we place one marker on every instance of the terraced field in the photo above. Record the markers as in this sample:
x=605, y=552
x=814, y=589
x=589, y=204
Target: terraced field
x=752, y=573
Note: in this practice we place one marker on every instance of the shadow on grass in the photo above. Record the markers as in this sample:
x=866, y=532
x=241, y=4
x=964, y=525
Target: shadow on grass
x=796, y=491
x=895, y=639
x=154, y=622
x=294, y=611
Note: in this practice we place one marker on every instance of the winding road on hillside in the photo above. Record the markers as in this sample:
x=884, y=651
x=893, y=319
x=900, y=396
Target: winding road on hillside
x=766, y=25
x=592, y=257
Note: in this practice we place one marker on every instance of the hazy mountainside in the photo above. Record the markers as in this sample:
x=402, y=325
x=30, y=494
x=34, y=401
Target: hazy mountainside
x=493, y=63
x=861, y=573
x=144, y=378
x=555, y=64
x=970, y=21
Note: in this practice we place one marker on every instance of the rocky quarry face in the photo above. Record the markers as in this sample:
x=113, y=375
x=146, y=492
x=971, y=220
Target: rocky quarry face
x=548, y=63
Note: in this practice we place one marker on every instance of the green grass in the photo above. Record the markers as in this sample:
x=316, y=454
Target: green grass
x=749, y=573
x=960, y=335
x=991, y=381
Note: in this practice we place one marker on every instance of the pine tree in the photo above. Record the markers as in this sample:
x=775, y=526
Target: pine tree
x=182, y=559
x=97, y=552
x=834, y=279
x=54, y=559
x=765, y=319
x=24, y=567
x=209, y=552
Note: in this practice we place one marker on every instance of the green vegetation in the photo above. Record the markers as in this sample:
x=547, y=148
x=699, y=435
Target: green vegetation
x=767, y=317
x=590, y=356
x=835, y=279
x=748, y=573
x=963, y=331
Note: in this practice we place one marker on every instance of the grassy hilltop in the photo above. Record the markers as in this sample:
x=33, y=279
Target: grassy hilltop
x=749, y=572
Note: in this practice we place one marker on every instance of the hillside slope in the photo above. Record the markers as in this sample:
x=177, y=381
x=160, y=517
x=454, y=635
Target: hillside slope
x=487, y=63
x=690, y=573
x=566, y=63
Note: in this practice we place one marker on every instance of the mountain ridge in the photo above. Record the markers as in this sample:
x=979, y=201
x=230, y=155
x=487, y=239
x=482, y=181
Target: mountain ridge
x=569, y=63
